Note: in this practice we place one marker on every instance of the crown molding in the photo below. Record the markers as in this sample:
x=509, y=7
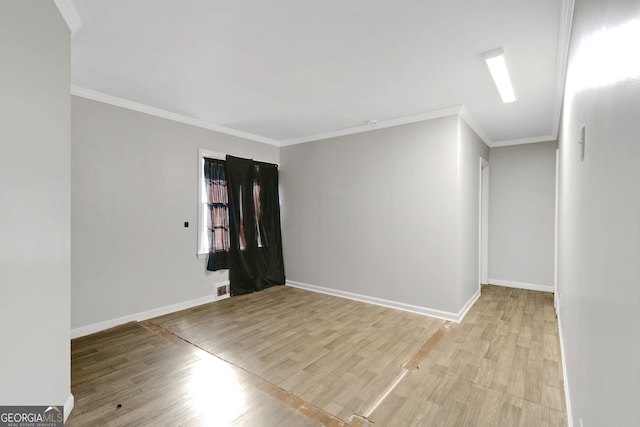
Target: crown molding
x=564, y=37
x=70, y=14
x=473, y=124
x=73, y=19
x=444, y=112
x=530, y=140
x=459, y=110
x=142, y=108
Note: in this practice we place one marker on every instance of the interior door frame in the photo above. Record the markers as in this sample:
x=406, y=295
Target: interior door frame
x=556, y=297
x=483, y=222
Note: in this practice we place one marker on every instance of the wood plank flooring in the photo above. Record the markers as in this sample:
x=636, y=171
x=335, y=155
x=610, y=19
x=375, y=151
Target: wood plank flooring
x=336, y=354
x=499, y=367
x=160, y=381
x=288, y=357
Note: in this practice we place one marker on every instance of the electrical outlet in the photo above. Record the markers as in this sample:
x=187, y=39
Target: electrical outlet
x=222, y=290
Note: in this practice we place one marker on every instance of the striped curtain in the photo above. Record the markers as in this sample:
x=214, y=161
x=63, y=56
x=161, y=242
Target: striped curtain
x=218, y=218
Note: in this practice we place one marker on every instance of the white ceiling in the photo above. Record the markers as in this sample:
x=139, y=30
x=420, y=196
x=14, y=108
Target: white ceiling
x=288, y=71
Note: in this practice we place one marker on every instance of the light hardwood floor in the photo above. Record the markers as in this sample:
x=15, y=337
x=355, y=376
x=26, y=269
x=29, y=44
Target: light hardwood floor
x=500, y=367
x=286, y=356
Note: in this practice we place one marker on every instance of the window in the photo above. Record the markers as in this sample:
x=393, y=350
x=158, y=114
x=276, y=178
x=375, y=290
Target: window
x=213, y=220
x=239, y=220
x=204, y=213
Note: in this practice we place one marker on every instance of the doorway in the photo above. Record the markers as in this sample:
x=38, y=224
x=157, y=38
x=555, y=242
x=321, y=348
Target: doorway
x=556, y=297
x=483, y=209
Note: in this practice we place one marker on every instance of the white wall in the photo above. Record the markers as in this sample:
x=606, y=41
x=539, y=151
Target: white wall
x=134, y=184
x=376, y=214
x=522, y=215
x=34, y=212
x=599, y=218
x=470, y=149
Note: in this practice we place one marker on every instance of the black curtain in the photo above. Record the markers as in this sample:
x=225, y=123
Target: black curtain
x=215, y=182
x=255, y=252
x=270, y=263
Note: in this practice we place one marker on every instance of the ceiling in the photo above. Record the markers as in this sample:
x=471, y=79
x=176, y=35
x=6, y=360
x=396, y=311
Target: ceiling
x=291, y=71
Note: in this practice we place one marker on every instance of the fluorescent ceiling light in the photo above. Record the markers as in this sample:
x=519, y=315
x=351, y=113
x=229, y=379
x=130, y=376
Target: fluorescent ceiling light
x=498, y=69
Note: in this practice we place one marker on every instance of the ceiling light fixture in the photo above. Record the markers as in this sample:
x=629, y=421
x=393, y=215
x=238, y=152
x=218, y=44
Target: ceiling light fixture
x=498, y=69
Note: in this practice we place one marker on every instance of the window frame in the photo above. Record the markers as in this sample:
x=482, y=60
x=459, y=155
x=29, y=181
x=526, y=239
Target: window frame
x=212, y=154
x=202, y=221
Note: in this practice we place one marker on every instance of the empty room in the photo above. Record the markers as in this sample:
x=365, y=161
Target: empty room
x=346, y=213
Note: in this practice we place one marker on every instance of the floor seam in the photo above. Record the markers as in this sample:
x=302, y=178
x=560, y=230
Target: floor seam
x=385, y=393
x=302, y=406
x=412, y=364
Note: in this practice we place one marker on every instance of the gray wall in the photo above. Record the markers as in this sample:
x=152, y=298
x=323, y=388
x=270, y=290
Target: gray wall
x=522, y=214
x=599, y=218
x=134, y=183
x=470, y=149
x=34, y=212
x=375, y=213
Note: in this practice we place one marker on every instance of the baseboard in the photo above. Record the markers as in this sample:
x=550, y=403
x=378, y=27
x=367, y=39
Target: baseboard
x=68, y=407
x=521, y=285
x=136, y=317
x=425, y=311
x=463, y=311
x=565, y=380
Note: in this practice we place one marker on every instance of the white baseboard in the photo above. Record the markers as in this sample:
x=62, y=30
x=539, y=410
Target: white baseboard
x=425, y=311
x=463, y=311
x=136, y=317
x=521, y=285
x=565, y=380
x=68, y=407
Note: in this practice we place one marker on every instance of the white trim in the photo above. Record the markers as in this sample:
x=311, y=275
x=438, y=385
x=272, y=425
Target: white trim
x=521, y=285
x=467, y=306
x=556, y=294
x=425, y=311
x=70, y=14
x=473, y=124
x=144, y=315
x=483, y=223
x=142, y=108
x=444, y=112
x=564, y=36
x=203, y=152
x=530, y=140
x=459, y=110
x=68, y=407
x=565, y=380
